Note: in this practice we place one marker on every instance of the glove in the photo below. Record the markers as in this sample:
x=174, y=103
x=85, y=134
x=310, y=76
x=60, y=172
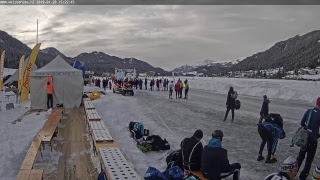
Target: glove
x=236, y=165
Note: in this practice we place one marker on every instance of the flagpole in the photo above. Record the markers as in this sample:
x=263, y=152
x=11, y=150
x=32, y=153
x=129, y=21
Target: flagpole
x=37, y=31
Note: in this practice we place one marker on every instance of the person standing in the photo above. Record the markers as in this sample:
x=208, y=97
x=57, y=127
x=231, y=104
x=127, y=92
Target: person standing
x=181, y=88
x=231, y=103
x=186, y=89
x=289, y=169
x=191, y=149
x=313, y=116
x=171, y=86
x=146, y=83
x=49, y=92
x=104, y=84
x=177, y=89
x=214, y=161
x=264, y=108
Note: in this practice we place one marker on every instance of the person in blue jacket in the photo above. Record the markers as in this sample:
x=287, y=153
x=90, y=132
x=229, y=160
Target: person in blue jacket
x=311, y=148
x=270, y=133
x=214, y=161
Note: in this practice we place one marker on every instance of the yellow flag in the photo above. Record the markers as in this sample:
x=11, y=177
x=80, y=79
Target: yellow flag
x=1, y=68
x=20, y=71
x=26, y=77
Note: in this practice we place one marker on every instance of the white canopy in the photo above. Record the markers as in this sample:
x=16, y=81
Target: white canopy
x=67, y=85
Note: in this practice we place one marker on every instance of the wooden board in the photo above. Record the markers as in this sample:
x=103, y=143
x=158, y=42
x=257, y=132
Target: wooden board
x=46, y=133
x=23, y=174
x=36, y=174
x=31, y=155
x=95, y=125
x=53, y=121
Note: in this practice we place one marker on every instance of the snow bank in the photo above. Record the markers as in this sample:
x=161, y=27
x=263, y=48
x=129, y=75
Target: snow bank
x=306, y=91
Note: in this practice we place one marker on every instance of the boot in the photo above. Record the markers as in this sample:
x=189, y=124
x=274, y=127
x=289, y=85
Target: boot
x=260, y=158
x=232, y=119
x=225, y=119
x=268, y=160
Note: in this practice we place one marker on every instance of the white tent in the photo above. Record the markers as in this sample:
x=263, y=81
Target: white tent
x=67, y=85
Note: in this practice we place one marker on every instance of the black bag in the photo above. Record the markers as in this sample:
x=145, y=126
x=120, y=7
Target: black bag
x=157, y=143
x=274, y=118
x=174, y=159
x=237, y=104
x=137, y=130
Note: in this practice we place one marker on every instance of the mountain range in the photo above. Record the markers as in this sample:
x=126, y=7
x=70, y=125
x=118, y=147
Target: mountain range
x=98, y=62
x=291, y=54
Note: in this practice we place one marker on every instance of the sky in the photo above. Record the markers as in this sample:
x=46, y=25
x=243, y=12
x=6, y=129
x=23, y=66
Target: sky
x=166, y=36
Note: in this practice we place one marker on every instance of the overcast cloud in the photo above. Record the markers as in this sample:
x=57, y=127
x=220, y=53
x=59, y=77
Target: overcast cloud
x=164, y=36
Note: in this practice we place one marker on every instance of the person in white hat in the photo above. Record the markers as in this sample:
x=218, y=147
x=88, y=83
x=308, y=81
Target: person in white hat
x=289, y=169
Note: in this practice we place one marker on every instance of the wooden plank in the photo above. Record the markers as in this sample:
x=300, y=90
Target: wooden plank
x=36, y=174
x=53, y=121
x=106, y=145
x=197, y=173
x=97, y=125
x=30, y=157
x=49, y=133
x=102, y=135
x=23, y=174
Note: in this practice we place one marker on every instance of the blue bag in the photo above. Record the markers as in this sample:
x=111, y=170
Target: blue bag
x=154, y=174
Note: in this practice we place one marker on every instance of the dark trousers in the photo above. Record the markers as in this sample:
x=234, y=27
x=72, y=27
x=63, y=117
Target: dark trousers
x=177, y=94
x=170, y=93
x=49, y=98
x=310, y=151
x=186, y=92
x=227, y=112
x=266, y=137
x=146, y=86
x=181, y=92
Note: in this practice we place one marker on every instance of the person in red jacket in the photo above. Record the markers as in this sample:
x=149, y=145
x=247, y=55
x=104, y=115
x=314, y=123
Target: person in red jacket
x=177, y=89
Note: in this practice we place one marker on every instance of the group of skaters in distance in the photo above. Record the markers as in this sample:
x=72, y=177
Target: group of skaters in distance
x=212, y=159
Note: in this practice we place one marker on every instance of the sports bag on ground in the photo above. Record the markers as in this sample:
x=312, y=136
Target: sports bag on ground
x=174, y=159
x=157, y=143
x=300, y=138
x=174, y=173
x=154, y=174
x=137, y=130
x=237, y=104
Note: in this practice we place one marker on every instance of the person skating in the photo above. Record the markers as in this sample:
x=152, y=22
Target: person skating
x=231, y=103
x=177, y=89
x=289, y=169
x=186, y=89
x=214, y=161
x=49, y=92
x=104, y=84
x=146, y=83
x=264, y=108
x=191, y=149
x=181, y=88
x=270, y=133
x=171, y=86
x=314, y=123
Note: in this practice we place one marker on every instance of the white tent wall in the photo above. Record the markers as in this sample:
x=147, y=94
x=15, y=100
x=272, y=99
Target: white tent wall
x=65, y=91
x=67, y=85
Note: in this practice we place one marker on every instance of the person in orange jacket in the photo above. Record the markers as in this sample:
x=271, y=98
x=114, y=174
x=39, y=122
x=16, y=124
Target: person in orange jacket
x=49, y=92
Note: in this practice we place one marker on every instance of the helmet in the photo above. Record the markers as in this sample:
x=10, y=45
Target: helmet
x=217, y=133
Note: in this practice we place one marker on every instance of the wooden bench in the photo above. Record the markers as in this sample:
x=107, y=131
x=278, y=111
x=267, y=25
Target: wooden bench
x=31, y=156
x=115, y=164
x=36, y=174
x=197, y=173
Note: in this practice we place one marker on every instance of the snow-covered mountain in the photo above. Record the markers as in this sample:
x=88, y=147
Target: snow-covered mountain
x=207, y=67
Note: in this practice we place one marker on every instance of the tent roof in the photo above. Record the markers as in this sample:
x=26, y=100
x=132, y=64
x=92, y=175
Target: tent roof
x=58, y=66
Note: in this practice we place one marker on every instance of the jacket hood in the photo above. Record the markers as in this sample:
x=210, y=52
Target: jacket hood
x=214, y=143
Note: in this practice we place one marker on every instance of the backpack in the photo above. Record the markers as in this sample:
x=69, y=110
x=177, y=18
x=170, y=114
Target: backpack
x=157, y=143
x=174, y=173
x=234, y=95
x=137, y=130
x=154, y=174
x=237, y=104
x=174, y=159
x=300, y=138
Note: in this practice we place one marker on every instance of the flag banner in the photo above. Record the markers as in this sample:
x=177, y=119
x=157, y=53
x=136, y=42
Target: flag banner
x=26, y=76
x=20, y=72
x=1, y=68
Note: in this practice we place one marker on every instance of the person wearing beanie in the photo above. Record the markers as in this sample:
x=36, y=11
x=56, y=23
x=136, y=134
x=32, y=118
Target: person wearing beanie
x=191, y=150
x=264, y=108
x=289, y=169
x=316, y=174
x=313, y=115
x=214, y=163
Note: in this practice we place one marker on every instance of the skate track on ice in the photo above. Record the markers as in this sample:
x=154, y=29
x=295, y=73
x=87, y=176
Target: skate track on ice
x=176, y=119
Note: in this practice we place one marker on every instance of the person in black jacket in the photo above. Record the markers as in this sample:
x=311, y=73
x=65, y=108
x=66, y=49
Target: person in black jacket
x=231, y=103
x=214, y=163
x=192, y=151
x=264, y=109
x=310, y=150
